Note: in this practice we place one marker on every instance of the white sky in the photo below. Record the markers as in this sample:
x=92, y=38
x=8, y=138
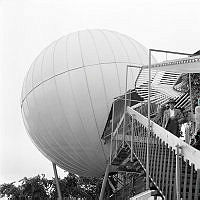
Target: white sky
x=28, y=26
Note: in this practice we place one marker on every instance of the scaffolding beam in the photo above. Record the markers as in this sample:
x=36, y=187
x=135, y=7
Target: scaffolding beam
x=104, y=182
x=57, y=181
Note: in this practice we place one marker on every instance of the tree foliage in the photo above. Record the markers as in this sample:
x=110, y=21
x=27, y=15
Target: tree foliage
x=9, y=190
x=35, y=187
x=41, y=188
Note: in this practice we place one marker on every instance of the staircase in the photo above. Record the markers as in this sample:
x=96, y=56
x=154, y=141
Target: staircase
x=174, y=167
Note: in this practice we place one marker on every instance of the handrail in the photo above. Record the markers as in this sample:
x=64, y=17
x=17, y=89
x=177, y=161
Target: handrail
x=189, y=153
x=174, y=166
x=118, y=125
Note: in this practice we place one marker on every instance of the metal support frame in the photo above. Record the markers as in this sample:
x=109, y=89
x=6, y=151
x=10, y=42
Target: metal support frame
x=111, y=138
x=125, y=104
x=149, y=119
x=125, y=107
x=104, y=182
x=57, y=181
x=132, y=139
x=177, y=172
x=191, y=103
x=149, y=104
x=190, y=88
x=172, y=52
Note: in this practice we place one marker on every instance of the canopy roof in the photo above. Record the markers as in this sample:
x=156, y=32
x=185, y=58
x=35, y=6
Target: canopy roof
x=183, y=65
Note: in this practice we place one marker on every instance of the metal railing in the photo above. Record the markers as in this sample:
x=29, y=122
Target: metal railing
x=174, y=166
x=171, y=164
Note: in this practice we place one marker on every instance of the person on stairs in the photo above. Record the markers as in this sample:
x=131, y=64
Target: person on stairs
x=172, y=119
x=197, y=140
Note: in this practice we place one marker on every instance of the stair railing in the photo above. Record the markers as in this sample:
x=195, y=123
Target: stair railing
x=174, y=165
x=116, y=139
x=119, y=139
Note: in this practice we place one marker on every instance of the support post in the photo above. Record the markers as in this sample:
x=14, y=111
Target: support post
x=132, y=139
x=104, y=182
x=149, y=103
x=111, y=137
x=149, y=125
x=57, y=181
x=191, y=103
x=116, y=146
x=177, y=173
x=124, y=125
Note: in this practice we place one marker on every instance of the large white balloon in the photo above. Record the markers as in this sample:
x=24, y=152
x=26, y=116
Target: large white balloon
x=68, y=92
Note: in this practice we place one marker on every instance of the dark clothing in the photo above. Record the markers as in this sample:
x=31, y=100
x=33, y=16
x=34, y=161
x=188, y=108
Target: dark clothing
x=172, y=123
x=173, y=127
x=197, y=141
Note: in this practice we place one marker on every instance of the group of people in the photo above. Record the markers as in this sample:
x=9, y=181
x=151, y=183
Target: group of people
x=172, y=119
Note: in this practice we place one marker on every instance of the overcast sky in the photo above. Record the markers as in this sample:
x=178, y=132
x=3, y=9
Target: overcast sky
x=28, y=26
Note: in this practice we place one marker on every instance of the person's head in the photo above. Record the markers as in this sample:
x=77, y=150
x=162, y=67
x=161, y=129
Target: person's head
x=171, y=104
x=167, y=106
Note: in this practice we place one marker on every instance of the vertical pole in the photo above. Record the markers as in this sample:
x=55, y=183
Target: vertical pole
x=190, y=86
x=104, y=182
x=149, y=125
x=132, y=139
x=57, y=181
x=191, y=105
x=125, y=107
x=111, y=138
x=177, y=173
x=116, y=147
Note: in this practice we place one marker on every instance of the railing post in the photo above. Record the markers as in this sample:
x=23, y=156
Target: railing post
x=177, y=172
x=111, y=136
x=149, y=120
x=191, y=103
x=132, y=138
x=125, y=109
